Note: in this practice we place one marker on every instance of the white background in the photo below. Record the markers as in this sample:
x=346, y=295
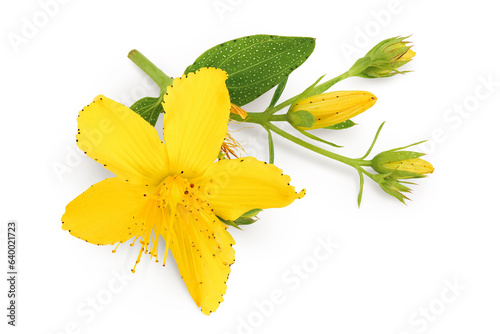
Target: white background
x=394, y=264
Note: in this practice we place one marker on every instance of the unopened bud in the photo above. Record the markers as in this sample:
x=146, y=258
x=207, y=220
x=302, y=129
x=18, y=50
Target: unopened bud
x=332, y=108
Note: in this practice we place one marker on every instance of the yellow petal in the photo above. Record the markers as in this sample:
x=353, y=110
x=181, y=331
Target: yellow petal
x=196, y=117
x=408, y=55
x=203, y=251
x=234, y=187
x=104, y=213
x=122, y=141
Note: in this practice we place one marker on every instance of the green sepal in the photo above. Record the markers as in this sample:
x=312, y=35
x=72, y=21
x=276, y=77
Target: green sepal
x=149, y=108
x=391, y=186
x=360, y=65
x=245, y=219
x=251, y=213
x=341, y=126
x=302, y=118
x=229, y=223
x=256, y=63
x=381, y=72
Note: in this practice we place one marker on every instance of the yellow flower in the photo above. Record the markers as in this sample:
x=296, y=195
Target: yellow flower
x=173, y=189
x=333, y=107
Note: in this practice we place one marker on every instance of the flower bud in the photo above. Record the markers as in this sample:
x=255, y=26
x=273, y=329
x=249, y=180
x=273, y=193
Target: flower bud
x=384, y=59
x=391, y=186
x=331, y=108
x=401, y=164
x=247, y=218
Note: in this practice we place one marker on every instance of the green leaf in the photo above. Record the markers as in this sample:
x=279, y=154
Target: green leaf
x=361, y=184
x=277, y=93
x=149, y=108
x=255, y=64
x=341, y=126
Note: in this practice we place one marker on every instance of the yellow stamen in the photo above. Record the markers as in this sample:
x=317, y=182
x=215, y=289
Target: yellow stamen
x=114, y=250
x=230, y=147
x=177, y=198
x=238, y=111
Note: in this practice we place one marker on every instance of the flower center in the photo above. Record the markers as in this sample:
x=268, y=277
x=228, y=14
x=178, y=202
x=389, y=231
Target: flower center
x=173, y=200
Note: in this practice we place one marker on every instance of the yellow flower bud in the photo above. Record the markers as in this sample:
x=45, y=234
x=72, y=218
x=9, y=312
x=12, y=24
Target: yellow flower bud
x=401, y=164
x=417, y=165
x=334, y=107
x=384, y=59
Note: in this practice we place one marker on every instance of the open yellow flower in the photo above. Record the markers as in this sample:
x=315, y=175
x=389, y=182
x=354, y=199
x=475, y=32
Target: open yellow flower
x=173, y=189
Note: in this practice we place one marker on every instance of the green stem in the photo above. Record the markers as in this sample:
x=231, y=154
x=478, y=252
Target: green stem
x=265, y=119
x=160, y=78
x=326, y=85
x=356, y=163
x=317, y=90
x=271, y=145
x=313, y=137
x=261, y=118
